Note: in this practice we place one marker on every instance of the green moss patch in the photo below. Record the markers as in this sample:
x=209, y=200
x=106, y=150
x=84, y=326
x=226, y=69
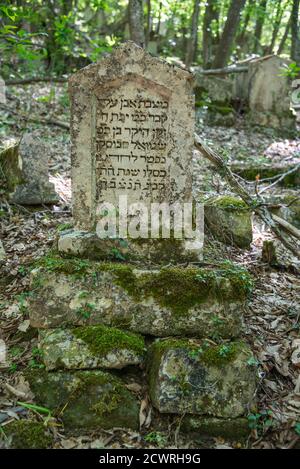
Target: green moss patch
x=228, y=202
x=205, y=352
x=53, y=263
x=181, y=289
x=26, y=434
x=101, y=339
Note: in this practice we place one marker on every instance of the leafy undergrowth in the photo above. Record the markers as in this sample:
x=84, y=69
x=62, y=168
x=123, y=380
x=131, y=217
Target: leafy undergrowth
x=271, y=320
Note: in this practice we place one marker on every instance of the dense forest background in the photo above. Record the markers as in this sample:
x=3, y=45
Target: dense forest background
x=55, y=37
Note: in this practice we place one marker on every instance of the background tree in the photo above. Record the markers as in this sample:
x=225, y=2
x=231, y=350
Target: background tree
x=56, y=37
x=192, y=43
x=228, y=35
x=211, y=14
x=295, y=28
x=136, y=22
x=260, y=19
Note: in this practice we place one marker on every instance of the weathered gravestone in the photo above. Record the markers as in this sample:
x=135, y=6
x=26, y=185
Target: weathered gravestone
x=35, y=188
x=267, y=90
x=132, y=133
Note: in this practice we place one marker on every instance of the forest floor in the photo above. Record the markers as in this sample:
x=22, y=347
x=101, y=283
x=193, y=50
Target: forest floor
x=271, y=322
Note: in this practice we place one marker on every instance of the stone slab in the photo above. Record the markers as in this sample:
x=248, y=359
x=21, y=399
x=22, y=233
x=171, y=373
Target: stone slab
x=203, y=379
x=168, y=301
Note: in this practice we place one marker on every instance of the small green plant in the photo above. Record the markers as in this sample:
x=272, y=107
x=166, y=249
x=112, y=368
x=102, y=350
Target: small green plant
x=217, y=321
x=224, y=351
x=297, y=428
x=261, y=421
x=157, y=438
x=13, y=368
x=64, y=226
x=22, y=300
x=64, y=101
x=83, y=294
x=48, y=98
x=36, y=408
x=86, y=310
x=253, y=362
x=116, y=254
x=36, y=360
x=22, y=270
x=291, y=71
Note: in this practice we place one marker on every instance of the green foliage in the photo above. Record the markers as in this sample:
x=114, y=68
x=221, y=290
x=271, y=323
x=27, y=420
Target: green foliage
x=297, y=428
x=157, y=438
x=261, y=421
x=36, y=360
x=60, y=37
x=291, y=71
x=86, y=310
x=64, y=226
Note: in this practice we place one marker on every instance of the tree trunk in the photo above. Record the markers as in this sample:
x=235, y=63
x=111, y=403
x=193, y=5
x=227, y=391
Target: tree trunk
x=241, y=36
x=295, y=27
x=230, y=28
x=261, y=13
x=278, y=18
x=284, y=37
x=192, y=43
x=211, y=13
x=148, y=30
x=136, y=22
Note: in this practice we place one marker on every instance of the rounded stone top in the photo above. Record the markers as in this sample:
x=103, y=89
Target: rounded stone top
x=130, y=59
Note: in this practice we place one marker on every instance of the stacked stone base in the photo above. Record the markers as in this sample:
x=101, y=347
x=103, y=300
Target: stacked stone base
x=105, y=327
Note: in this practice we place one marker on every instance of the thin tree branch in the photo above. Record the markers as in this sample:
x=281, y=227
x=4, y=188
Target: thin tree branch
x=28, y=81
x=280, y=178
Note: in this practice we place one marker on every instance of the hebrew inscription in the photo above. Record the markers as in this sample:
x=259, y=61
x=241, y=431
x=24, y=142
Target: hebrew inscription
x=132, y=142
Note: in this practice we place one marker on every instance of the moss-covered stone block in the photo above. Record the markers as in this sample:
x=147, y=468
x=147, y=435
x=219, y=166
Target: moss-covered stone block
x=169, y=301
x=230, y=429
x=229, y=220
x=27, y=434
x=200, y=378
x=90, y=347
x=74, y=243
x=85, y=399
